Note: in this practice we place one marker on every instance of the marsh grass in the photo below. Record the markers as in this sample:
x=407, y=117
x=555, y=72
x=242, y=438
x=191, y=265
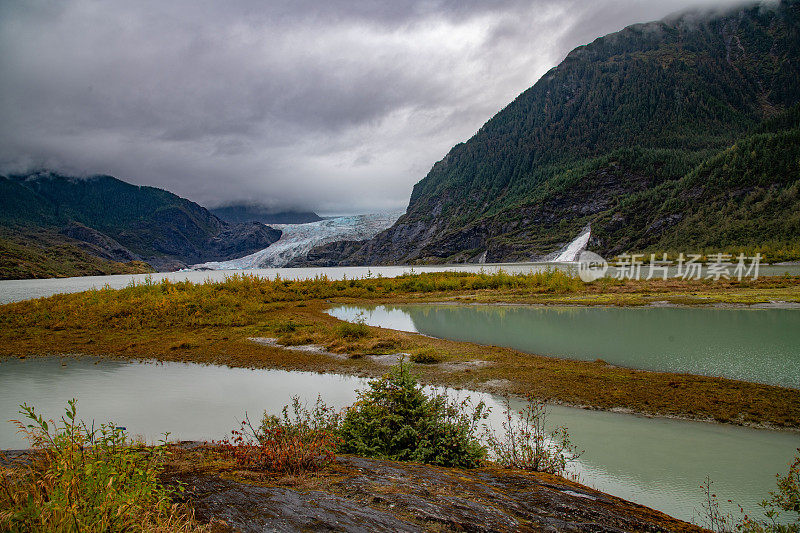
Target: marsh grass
x=352, y=330
x=241, y=299
x=82, y=479
x=286, y=327
x=381, y=345
x=148, y=319
x=426, y=356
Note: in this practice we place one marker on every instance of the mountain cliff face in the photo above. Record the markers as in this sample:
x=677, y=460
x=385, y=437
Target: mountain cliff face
x=118, y=221
x=660, y=135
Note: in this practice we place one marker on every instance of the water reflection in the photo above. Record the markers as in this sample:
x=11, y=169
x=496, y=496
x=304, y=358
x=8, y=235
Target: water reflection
x=656, y=462
x=758, y=345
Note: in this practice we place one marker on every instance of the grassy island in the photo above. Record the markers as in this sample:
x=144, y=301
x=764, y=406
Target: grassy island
x=216, y=323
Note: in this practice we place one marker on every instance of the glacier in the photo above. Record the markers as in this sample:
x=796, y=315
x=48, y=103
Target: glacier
x=298, y=239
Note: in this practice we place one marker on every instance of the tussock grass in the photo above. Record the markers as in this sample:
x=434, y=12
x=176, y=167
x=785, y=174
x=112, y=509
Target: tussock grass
x=352, y=330
x=425, y=356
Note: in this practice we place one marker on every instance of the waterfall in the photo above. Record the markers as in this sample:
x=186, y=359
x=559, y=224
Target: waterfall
x=571, y=251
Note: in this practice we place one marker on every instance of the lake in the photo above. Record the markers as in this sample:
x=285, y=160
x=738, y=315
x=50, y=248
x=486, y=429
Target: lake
x=24, y=289
x=758, y=345
x=660, y=463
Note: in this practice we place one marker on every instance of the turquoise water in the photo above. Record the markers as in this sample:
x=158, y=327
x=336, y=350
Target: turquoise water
x=656, y=462
x=758, y=345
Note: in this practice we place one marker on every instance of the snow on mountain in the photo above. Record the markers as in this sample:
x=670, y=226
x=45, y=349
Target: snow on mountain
x=298, y=239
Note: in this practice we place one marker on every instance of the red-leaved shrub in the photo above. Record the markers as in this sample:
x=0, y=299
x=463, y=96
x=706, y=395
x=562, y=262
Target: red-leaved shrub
x=303, y=441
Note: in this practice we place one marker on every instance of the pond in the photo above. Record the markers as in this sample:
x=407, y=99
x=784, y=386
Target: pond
x=656, y=462
x=758, y=345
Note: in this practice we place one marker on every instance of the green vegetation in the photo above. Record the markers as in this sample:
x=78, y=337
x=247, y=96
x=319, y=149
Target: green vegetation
x=663, y=136
x=46, y=254
x=526, y=444
x=744, y=199
x=87, y=480
x=214, y=323
x=395, y=419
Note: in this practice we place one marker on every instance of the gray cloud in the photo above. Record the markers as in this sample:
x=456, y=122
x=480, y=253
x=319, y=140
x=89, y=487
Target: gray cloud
x=336, y=106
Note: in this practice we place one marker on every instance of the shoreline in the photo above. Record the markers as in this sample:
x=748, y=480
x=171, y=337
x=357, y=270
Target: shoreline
x=656, y=304
x=127, y=324
x=382, y=367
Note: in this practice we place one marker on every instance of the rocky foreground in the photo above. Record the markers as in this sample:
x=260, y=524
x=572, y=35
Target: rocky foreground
x=358, y=494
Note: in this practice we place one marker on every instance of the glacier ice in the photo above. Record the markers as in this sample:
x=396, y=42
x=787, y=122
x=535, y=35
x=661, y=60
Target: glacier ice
x=299, y=239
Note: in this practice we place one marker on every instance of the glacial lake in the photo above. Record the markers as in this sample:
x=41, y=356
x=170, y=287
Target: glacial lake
x=25, y=289
x=660, y=463
x=758, y=345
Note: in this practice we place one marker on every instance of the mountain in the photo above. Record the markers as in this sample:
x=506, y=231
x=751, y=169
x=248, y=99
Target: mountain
x=238, y=213
x=679, y=134
x=116, y=221
x=42, y=253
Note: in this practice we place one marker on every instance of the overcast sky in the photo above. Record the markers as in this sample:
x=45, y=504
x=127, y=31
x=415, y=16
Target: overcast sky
x=338, y=107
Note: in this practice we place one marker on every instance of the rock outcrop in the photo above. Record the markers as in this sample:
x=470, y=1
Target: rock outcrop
x=368, y=495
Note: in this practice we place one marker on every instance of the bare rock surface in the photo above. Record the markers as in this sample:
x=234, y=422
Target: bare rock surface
x=364, y=495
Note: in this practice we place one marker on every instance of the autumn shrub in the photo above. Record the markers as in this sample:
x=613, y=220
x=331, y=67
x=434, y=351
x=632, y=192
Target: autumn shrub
x=82, y=479
x=395, y=419
x=297, y=441
x=526, y=443
x=425, y=356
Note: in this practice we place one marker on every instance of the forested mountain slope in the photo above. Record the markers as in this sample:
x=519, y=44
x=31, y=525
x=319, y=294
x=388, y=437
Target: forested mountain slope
x=678, y=134
x=115, y=220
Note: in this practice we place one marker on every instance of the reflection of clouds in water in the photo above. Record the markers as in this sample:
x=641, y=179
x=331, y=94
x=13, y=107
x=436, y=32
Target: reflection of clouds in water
x=378, y=316
x=191, y=401
x=760, y=345
x=655, y=462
